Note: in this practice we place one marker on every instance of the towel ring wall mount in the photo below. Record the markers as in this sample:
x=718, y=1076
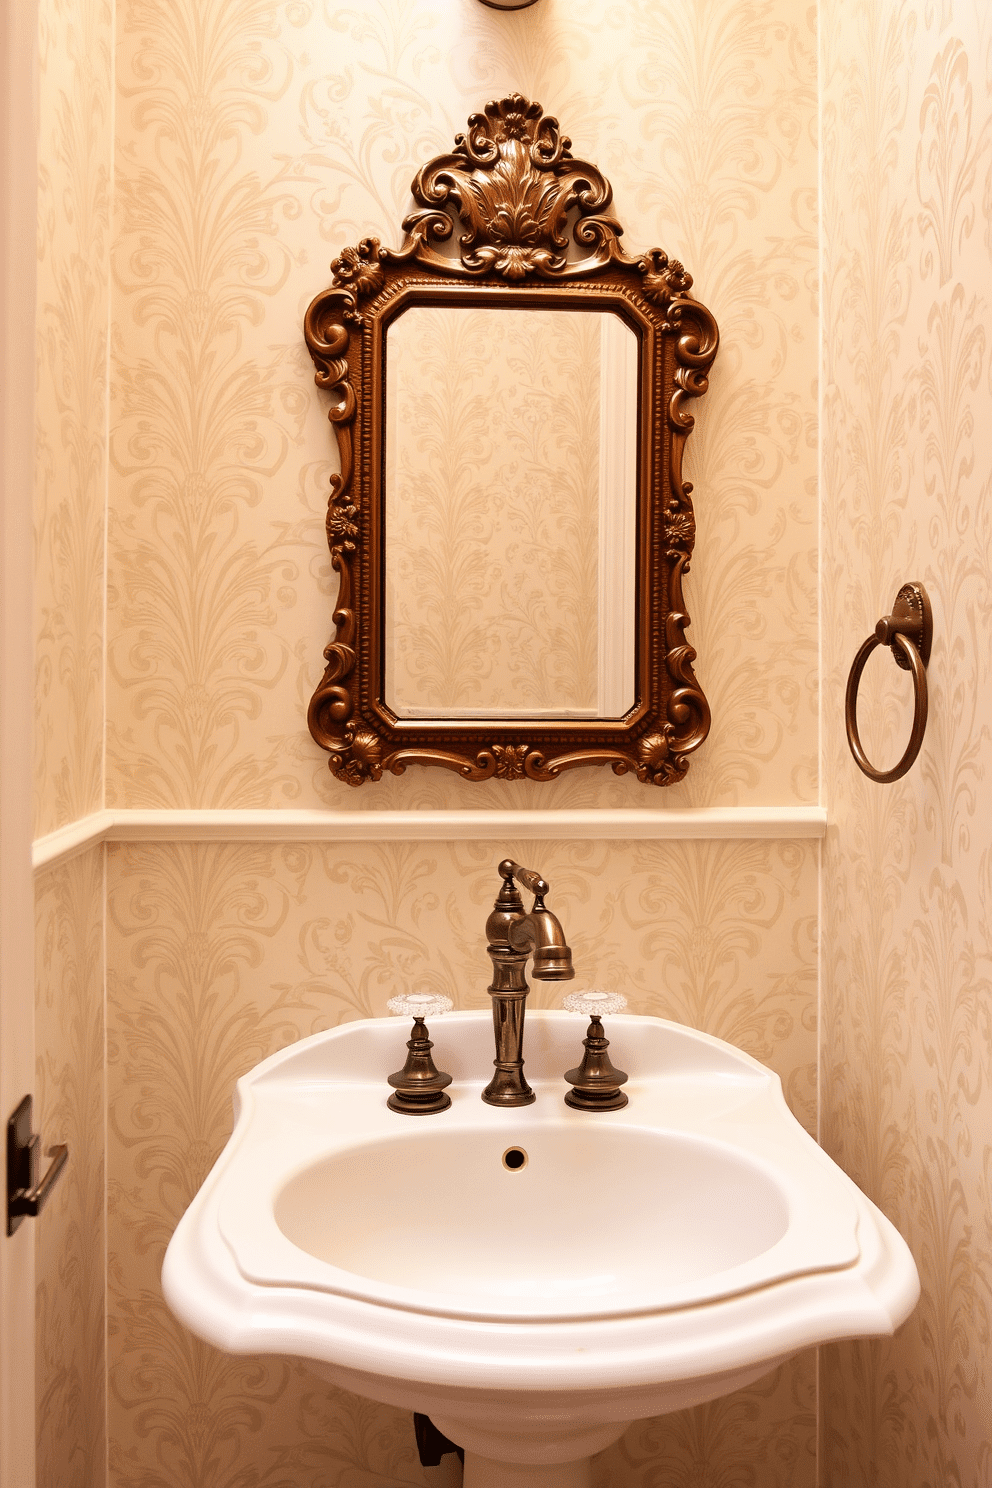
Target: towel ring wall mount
x=908, y=633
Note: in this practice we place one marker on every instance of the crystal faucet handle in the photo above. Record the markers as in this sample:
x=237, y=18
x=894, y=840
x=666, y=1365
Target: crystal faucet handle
x=594, y=1003
x=420, y=1004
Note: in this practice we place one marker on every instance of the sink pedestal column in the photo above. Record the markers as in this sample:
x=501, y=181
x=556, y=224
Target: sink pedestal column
x=515, y=1444
x=484, y=1472
x=511, y=1439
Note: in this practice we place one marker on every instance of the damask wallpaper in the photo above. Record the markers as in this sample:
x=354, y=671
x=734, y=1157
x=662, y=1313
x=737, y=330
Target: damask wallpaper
x=75, y=112
x=75, y=103
x=250, y=151
x=220, y=954
x=907, y=892
x=252, y=140
x=70, y=1243
x=248, y=154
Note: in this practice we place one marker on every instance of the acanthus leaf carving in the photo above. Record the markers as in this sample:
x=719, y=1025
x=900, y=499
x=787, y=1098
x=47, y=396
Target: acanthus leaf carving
x=510, y=761
x=680, y=530
x=656, y=762
x=359, y=269
x=357, y=757
x=512, y=182
x=665, y=280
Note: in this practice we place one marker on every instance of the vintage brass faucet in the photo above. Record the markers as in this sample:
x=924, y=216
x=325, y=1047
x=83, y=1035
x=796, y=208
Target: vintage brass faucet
x=512, y=937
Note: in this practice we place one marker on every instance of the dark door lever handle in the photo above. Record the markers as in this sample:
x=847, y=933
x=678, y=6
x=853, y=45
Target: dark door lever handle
x=26, y=1196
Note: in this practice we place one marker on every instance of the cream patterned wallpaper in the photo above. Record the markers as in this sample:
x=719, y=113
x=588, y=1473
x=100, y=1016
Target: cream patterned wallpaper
x=75, y=111
x=221, y=954
x=70, y=1254
x=74, y=188
x=221, y=456
x=907, y=930
x=249, y=152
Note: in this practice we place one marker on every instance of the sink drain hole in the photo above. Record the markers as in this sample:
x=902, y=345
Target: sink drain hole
x=514, y=1158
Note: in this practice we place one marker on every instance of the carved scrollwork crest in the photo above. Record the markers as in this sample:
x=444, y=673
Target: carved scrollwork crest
x=512, y=181
x=510, y=217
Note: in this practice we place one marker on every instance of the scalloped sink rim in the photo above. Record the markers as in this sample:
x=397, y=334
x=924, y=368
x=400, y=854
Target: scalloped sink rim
x=236, y=1279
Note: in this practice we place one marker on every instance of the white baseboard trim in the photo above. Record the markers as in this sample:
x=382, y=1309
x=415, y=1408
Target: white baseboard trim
x=702, y=823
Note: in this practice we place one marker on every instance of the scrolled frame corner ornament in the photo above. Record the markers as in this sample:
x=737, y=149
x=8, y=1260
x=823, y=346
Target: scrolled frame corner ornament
x=510, y=217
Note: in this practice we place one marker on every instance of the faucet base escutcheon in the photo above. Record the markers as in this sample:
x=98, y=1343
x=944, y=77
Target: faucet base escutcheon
x=596, y=1080
x=418, y=1088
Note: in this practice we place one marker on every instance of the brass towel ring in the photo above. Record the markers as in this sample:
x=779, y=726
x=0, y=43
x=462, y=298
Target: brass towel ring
x=908, y=633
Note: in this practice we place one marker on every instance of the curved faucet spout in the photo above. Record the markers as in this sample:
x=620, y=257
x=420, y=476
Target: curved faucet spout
x=541, y=936
x=513, y=936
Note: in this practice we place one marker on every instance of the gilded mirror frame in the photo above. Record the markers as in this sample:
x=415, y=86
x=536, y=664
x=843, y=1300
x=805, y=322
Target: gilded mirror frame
x=530, y=226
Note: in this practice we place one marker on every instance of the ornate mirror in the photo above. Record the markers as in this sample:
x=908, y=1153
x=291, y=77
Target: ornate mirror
x=510, y=393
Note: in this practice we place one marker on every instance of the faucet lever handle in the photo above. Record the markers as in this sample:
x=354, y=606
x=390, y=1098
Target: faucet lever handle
x=531, y=880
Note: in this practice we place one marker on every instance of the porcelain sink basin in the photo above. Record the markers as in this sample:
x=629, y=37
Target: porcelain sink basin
x=533, y=1279
x=538, y=1241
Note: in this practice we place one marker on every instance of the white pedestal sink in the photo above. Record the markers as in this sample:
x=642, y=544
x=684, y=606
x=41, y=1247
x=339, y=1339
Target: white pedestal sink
x=632, y=1262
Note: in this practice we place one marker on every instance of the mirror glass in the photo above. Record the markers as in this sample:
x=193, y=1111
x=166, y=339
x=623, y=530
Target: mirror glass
x=510, y=513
